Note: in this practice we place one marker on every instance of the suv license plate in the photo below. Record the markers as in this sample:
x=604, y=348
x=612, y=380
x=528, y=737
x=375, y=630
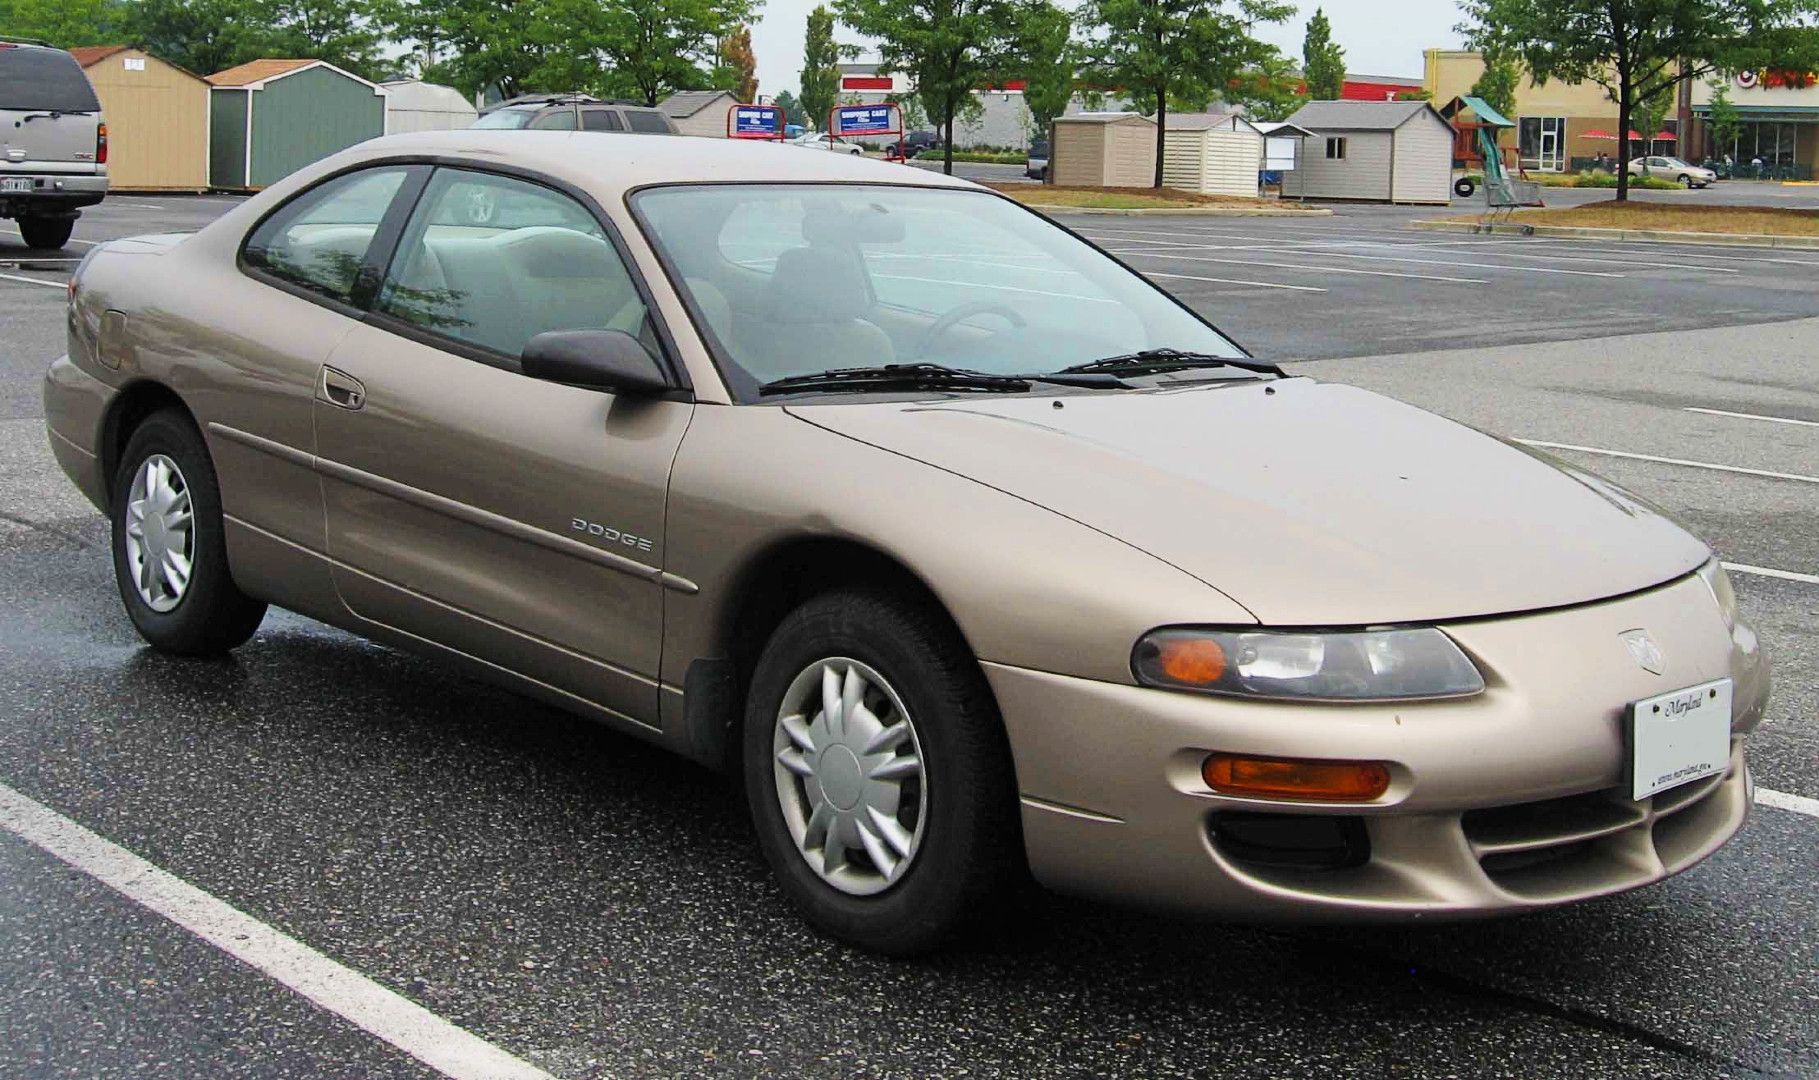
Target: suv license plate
x=1679, y=737
x=9, y=184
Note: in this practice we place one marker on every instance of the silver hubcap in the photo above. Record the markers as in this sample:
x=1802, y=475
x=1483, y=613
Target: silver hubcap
x=160, y=533
x=849, y=776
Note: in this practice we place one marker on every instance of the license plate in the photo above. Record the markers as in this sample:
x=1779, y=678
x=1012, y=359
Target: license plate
x=1679, y=737
x=15, y=183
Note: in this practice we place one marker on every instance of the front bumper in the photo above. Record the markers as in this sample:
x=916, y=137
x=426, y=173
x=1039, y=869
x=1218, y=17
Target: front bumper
x=1511, y=800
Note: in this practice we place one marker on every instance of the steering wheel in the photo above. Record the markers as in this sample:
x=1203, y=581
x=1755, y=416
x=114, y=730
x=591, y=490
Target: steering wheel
x=956, y=316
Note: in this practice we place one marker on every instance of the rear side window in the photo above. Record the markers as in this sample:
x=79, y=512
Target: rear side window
x=46, y=79
x=647, y=122
x=600, y=120
x=493, y=261
x=318, y=240
x=562, y=119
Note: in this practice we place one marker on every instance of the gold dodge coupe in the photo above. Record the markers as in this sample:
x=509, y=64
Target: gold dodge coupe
x=964, y=547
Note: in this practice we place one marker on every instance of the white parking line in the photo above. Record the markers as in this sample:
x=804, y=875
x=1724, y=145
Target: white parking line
x=35, y=281
x=1671, y=461
x=450, y=1050
x=1302, y=267
x=1769, y=571
x=1487, y=250
x=1177, y=241
x=1233, y=281
x=1781, y=800
x=1753, y=416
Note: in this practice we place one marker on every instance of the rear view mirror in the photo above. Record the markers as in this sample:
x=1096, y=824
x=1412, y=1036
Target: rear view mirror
x=603, y=359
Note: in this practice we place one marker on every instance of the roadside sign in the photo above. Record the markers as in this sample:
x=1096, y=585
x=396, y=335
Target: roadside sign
x=865, y=120
x=755, y=122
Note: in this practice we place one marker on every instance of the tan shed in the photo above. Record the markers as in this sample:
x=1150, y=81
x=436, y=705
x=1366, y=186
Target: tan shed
x=699, y=112
x=1103, y=150
x=157, y=119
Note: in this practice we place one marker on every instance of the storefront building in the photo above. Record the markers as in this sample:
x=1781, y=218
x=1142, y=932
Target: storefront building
x=1777, y=134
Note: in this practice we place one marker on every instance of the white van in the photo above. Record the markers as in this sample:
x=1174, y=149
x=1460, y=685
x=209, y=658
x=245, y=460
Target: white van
x=53, y=145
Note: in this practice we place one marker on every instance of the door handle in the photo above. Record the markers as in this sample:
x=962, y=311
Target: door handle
x=340, y=389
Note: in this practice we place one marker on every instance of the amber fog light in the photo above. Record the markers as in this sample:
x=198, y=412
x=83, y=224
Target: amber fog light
x=1288, y=778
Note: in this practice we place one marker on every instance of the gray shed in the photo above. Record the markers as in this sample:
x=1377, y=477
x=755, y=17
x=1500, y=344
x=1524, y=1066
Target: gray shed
x=1376, y=151
x=699, y=112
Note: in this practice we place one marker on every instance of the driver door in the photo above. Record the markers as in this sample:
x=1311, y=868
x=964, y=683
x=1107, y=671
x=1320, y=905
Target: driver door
x=514, y=520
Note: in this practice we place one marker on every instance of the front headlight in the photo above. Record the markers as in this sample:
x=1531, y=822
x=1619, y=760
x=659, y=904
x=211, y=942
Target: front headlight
x=1349, y=665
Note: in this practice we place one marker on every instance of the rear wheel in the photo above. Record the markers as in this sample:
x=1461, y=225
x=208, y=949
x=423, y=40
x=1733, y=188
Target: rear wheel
x=1686, y=182
x=170, y=547
x=47, y=233
x=877, y=772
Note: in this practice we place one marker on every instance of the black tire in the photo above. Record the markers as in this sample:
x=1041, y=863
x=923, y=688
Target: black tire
x=1463, y=187
x=212, y=615
x=1686, y=182
x=970, y=852
x=46, y=233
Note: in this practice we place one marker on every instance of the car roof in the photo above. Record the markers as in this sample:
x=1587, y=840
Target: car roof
x=608, y=167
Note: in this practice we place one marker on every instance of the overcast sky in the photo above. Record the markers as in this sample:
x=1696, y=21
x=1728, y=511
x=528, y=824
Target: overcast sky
x=1380, y=37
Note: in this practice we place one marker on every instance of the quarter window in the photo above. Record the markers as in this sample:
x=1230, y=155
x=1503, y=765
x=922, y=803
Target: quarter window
x=649, y=122
x=493, y=261
x=1335, y=149
x=318, y=240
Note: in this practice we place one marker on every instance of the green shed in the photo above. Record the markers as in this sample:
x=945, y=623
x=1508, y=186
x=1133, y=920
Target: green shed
x=269, y=118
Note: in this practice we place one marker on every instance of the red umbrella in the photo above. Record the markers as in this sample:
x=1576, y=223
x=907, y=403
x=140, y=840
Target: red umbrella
x=1665, y=136
x=1599, y=133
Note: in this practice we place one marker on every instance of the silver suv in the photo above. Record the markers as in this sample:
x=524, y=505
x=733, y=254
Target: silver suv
x=53, y=145
x=576, y=112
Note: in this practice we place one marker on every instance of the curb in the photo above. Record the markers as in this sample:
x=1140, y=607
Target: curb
x=1170, y=211
x=1662, y=236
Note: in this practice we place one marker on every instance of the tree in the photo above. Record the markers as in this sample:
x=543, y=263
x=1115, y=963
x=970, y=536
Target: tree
x=1048, y=61
x=740, y=66
x=65, y=23
x=1496, y=84
x=505, y=45
x=1638, y=49
x=1269, y=90
x=204, y=36
x=339, y=31
x=949, y=48
x=1650, y=116
x=792, y=109
x=644, y=49
x=1723, y=119
x=820, y=67
x=1322, y=62
x=1174, y=53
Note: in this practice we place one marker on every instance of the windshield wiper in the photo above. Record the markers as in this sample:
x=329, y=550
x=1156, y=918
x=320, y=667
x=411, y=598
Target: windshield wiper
x=1156, y=361
x=899, y=377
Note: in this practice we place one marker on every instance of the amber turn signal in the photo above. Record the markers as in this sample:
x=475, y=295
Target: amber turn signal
x=1287, y=778
x=1191, y=661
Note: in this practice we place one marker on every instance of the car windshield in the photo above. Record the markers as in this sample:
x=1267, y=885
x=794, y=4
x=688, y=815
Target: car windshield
x=44, y=79
x=515, y=117
x=792, y=280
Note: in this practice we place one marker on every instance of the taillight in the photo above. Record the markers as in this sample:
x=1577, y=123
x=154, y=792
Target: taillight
x=101, y=144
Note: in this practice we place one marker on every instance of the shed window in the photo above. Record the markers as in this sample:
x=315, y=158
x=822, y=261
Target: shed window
x=1335, y=149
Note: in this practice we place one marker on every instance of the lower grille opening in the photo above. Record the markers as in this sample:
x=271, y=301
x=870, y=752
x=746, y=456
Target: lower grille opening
x=1298, y=841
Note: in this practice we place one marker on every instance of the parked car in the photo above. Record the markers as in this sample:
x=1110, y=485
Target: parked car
x=53, y=143
x=1036, y=165
x=1672, y=168
x=917, y=142
x=964, y=567
x=575, y=112
x=821, y=140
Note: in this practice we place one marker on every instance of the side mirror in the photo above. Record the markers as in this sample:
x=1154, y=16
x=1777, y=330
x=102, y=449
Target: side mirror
x=603, y=359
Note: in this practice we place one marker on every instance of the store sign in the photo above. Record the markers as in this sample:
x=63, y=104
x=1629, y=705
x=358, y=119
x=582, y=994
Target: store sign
x=865, y=120
x=757, y=122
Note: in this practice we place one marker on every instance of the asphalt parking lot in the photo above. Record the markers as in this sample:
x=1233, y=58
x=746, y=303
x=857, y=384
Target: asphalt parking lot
x=597, y=909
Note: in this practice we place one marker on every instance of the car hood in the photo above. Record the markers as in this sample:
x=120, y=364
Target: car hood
x=1310, y=504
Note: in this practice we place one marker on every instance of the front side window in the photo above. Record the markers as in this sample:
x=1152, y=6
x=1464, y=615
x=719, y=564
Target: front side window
x=797, y=279
x=318, y=240
x=493, y=261
x=560, y=119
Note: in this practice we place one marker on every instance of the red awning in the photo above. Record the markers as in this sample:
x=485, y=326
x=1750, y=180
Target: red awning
x=1635, y=136
x=1665, y=136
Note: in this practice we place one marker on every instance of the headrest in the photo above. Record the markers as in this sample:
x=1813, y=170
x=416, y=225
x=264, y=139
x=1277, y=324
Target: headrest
x=816, y=285
x=550, y=252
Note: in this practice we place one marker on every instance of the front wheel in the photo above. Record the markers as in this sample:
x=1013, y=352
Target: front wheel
x=46, y=233
x=877, y=772
x=170, y=546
